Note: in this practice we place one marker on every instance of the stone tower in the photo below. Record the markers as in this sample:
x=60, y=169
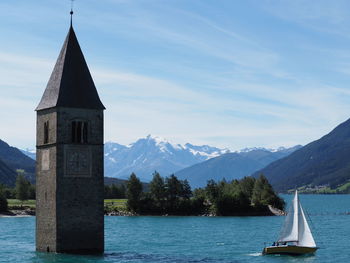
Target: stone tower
x=69, y=171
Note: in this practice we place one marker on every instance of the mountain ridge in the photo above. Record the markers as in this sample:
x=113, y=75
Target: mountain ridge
x=14, y=159
x=322, y=162
x=150, y=154
x=231, y=166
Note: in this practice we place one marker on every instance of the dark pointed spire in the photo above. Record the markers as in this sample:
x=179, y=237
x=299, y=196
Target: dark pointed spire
x=71, y=13
x=71, y=84
x=71, y=17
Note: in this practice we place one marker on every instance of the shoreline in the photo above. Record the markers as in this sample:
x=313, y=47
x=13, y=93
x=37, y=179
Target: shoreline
x=21, y=213
x=18, y=213
x=31, y=212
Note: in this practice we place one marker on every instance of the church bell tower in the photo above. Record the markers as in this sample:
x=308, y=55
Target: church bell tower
x=69, y=171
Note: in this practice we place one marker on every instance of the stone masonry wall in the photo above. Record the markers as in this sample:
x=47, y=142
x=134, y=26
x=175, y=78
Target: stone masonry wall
x=72, y=210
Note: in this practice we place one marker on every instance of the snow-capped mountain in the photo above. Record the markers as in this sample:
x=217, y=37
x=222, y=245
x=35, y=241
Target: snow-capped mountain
x=151, y=154
x=195, y=163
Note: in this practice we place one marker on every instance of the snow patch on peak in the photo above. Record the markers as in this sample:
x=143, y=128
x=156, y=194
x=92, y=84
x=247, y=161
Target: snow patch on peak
x=178, y=147
x=157, y=139
x=160, y=141
x=250, y=149
x=205, y=154
x=163, y=144
x=279, y=149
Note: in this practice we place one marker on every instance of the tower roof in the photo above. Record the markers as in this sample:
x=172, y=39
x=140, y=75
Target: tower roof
x=70, y=84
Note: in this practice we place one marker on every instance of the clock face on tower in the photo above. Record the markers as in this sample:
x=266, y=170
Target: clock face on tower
x=77, y=161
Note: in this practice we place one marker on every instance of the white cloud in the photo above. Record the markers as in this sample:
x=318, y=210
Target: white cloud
x=230, y=89
x=140, y=104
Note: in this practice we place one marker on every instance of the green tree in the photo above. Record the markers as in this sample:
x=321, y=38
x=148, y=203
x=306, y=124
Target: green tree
x=157, y=188
x=22, y=186
x=247, y=186
x=115, y=192
x=263, y=194
x=10, y=193
x=122, y=189
x=133, y=193
x=3, y=200
x=173, y=191
x=31, y=191
x=107, y=192
x=257, y=191
x=212, y=191
x=186, y=191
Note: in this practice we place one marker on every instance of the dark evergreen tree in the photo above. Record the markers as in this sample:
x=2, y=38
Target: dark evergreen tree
x=199, y=193
x=133, y=193
x=31, y=191
x=247, y=186
x=10, y=193
x=173, y=191
x=3, y=200
x=115, y=192
x=22, y=187
x=157, y=191
x=186, y=191
x=107, y=192
x=212, y=191
x=122, y=190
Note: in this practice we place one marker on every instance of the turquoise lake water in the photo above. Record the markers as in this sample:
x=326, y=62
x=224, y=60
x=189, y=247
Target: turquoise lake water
x=194, y=239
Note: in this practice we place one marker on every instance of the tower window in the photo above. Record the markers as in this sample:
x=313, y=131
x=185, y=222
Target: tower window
x=46, y=132
x=79, y=131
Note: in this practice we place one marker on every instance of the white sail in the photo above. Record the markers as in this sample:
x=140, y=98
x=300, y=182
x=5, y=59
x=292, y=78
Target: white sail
x=289, y=232
x=305, y=238
x=295, y=228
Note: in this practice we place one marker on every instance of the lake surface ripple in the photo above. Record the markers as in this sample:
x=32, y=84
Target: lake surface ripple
x=194, y=239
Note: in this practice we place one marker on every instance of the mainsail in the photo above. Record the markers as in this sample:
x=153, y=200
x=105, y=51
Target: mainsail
x=296, y=228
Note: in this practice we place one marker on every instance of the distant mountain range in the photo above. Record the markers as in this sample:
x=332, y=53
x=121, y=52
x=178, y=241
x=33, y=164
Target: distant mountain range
x=12, y=159
x=197, y=164
x=323, y=162
x=143, y=157
x=151, y=154
x=232, y=165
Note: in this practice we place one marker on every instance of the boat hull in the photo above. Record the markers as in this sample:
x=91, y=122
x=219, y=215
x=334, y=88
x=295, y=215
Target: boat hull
x=289, y=250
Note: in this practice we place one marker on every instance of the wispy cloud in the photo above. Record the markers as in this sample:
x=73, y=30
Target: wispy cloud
x=178, y=71
x=196, y=33
x=256, y=113
x=325, y=16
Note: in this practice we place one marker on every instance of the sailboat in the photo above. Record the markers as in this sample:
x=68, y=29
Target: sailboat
x=295, y=237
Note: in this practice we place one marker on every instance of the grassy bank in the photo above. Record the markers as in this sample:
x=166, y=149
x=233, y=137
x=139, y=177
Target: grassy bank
x=119, y=204
x=14, y=203
x=341, y=189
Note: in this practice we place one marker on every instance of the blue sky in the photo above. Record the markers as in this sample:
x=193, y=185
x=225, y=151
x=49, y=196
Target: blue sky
x=225, y=73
